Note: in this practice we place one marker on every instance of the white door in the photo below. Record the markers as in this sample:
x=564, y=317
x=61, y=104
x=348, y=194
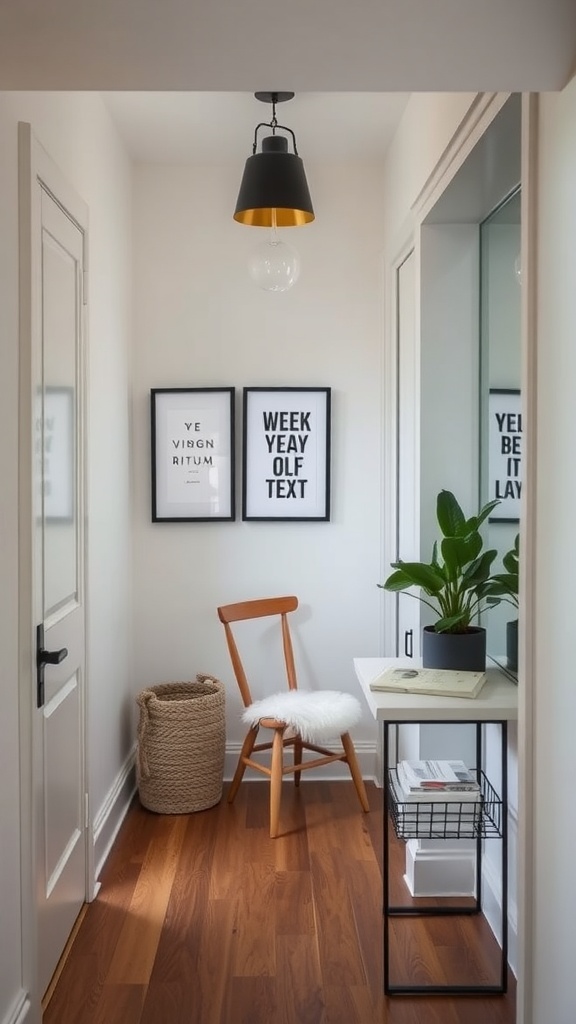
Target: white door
x=59, y=806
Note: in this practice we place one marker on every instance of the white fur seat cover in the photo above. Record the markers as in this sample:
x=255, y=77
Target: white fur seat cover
x=316, y=715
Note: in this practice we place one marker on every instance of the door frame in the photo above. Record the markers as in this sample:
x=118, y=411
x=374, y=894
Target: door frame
x=36, y=166
x=394, y=260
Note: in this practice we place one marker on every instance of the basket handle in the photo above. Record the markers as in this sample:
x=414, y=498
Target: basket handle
x=143, y=699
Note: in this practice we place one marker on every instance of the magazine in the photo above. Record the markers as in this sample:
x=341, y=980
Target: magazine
x=434, y=775
x=434, y=681
x=436, y=794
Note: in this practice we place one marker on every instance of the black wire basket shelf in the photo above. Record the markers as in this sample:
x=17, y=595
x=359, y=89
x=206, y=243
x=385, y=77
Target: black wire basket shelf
x=453, y=818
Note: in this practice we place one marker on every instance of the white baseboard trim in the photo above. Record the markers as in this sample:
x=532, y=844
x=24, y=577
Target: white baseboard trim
x=366, y=753
x=113, y=811
x=492, y=910
x=20, y=1009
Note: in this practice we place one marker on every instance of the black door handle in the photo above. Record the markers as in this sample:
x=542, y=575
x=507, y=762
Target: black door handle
x=409, y=650
x=52, y=657
x=44, y=657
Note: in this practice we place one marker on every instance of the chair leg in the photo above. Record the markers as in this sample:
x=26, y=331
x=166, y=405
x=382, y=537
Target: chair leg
x=276, y=780
x=355, y=770
x=247, y=748
x=297, y=758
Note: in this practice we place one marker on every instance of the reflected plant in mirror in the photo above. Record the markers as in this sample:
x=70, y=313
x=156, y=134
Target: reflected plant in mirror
x=505, y=586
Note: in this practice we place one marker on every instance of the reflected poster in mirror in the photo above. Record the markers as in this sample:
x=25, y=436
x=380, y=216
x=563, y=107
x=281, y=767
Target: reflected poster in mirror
x=505, y=453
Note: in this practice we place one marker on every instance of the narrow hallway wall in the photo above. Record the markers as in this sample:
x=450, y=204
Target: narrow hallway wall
x=200, y=321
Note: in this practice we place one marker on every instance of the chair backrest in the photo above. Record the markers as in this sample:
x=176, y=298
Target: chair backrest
x=256, y=610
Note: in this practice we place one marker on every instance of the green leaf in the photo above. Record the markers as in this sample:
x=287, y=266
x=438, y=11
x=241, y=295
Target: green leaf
x=510, y=562
x=472, y=546
x=418, y=574
x=447, y=625
x=505, y=583
x=475, y=522
x=396, y=581
x=471, y=525
x=459, y=552
x=489, y=590
x=453, y=550
x=449, y=514
x=479, y=570
x=487, y=509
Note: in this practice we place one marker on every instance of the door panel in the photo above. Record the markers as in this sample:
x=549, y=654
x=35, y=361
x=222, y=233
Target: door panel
x=59, y=722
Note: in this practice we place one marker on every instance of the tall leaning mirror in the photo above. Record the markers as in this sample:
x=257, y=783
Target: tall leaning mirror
x=500, y=416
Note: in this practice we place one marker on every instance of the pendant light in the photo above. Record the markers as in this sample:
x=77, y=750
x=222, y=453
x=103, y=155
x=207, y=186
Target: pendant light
x=274, y=193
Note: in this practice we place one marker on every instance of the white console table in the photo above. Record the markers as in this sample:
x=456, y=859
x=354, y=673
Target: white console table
x=496, y=703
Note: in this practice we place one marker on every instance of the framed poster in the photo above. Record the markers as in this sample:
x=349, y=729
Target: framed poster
x=505, y=453
x=286, y=454
x=192, y=454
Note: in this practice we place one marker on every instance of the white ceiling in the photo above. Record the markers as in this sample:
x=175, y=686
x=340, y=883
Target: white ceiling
x=218, y=127
x=304, y=45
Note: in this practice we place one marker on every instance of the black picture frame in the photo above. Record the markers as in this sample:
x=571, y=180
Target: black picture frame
x=286, y=454
x=192, y=454
x=505, y=453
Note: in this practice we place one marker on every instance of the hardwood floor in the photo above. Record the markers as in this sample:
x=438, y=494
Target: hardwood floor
x=202, y=919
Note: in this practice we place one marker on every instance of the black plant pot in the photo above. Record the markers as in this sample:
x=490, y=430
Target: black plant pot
x=512, y=645
x=465, y=652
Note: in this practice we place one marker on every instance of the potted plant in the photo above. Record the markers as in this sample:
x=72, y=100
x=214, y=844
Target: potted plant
x=505, y=586
x=456, y=584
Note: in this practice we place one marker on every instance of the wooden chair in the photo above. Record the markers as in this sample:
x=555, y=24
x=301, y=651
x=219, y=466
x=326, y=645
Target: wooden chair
x=296, y=721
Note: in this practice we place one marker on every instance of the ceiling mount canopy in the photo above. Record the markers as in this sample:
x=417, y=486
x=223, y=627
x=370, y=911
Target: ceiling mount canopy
x=274, y=191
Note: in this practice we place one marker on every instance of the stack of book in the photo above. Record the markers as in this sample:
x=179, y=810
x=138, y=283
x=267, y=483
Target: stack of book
x=438, y=799
x=436, y=780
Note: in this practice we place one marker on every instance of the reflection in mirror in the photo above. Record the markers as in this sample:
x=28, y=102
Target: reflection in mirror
x=59, y=427
x=500, y=417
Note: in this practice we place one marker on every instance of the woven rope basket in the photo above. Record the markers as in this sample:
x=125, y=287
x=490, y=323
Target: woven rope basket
x=181, y=740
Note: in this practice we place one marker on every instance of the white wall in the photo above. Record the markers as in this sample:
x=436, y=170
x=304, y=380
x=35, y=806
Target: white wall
x=554, y=881
x=429, y=123
x=199, y=321
x=76, y=131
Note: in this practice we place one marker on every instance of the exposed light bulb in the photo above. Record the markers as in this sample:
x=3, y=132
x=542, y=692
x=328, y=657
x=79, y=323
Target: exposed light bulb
x=274, y=265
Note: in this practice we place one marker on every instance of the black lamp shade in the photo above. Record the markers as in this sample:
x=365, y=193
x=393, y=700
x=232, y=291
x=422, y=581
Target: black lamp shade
x=274, y=190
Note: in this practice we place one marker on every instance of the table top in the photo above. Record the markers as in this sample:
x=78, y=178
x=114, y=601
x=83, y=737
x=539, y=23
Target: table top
x=496, y=702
